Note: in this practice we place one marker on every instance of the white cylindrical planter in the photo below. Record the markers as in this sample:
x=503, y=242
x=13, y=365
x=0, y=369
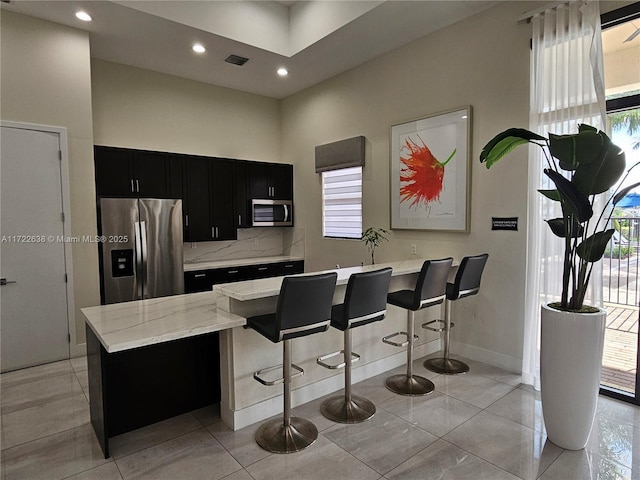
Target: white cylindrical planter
x=570, y=361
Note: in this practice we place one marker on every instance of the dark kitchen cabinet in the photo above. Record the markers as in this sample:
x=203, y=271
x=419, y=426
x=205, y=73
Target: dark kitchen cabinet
x=122, y=172
x=197, y=281
x=196, y=200
x=209, y=198
x=216, y=192
x=203, y=280
x=221, y=172
x=242, y=197
x=271, y=180
x=113, y=172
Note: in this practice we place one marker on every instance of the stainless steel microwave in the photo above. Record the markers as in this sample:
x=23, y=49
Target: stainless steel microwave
x=272, y=213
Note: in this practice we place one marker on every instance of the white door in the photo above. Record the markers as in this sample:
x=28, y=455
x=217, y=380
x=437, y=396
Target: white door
x=34, y=326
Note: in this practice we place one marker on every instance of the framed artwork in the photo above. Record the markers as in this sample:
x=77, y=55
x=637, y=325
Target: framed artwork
x=430, y=163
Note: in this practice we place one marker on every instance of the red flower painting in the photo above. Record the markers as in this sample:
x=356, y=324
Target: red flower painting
x=421, y=174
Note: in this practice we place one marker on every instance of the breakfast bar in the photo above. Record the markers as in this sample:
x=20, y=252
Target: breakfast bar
x=153, y=359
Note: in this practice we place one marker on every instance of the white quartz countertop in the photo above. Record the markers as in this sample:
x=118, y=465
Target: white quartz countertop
x=128, y=325
x=239, y=262
x=123, y=326
x=268, y=287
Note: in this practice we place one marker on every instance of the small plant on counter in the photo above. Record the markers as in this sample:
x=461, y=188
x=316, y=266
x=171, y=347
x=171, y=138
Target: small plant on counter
x=372, y=237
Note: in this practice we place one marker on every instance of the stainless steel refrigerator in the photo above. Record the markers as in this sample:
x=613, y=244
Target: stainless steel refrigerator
x=141, y=248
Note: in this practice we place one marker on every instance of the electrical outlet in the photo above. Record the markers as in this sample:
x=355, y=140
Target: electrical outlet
x=256, y=240
x=412, y=249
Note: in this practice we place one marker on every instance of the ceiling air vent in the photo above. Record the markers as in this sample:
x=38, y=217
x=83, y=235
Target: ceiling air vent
x=236, y=60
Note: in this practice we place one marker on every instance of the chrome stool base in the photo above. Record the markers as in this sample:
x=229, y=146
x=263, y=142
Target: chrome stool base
x=341, y=410
x=409, y=385
x=446, y=366
x=275, y=437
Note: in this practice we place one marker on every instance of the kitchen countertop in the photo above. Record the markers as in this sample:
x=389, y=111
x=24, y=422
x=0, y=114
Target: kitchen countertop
x=239, y=262
x=268, y=287
x=123, y=326
x=128, y=325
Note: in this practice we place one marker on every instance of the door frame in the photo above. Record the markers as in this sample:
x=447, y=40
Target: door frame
x=74, y=349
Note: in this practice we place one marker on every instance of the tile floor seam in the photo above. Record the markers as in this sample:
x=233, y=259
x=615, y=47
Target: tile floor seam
x=86, y=394
x=353, y=456
x=497, y=400
x=483, y=459
x=36, y=379
x=88, y=470
x=4, y=450
x=170, y=440
x=540, y=474
x=270, y=454
x=489, y=461
x=166, y=440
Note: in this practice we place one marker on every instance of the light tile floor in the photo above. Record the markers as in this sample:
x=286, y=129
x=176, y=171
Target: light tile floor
x=483, y=425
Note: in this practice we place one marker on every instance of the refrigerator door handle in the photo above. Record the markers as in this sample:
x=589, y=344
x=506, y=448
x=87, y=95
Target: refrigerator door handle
x=138, y=254
x=143, y=256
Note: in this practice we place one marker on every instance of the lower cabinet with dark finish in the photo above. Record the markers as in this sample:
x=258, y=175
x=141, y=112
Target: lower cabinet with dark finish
x=204, y=280
x=141, y=386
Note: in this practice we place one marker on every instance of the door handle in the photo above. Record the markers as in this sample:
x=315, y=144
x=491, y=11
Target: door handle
x=4, y=281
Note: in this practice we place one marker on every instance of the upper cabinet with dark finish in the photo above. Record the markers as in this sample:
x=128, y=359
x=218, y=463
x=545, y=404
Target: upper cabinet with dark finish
x=208, y=206
x=136, y=173
x=242, y=197
x=216, y=192
x=270, y=180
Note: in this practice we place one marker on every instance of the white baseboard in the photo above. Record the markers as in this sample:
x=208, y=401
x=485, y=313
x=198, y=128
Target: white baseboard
x=79, y=350
x=506, y=362
x=273, y=406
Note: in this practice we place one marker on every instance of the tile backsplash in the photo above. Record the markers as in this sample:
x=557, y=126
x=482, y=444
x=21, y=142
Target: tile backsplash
x=251, y=243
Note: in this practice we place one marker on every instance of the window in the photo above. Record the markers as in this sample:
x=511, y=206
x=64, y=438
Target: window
x=342, y=203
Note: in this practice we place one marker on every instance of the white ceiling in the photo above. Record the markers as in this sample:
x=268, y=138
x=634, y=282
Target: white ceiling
x=314, y=39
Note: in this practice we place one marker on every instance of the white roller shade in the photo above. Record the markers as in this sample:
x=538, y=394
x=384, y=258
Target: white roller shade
x=342, y=203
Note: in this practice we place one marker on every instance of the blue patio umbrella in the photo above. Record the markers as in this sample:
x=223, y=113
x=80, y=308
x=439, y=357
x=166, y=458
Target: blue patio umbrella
x=630, y=200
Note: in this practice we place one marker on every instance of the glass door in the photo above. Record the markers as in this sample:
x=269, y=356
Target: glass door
x=620, y=269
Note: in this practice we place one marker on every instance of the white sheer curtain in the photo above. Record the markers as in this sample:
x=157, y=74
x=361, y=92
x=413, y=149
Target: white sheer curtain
x=567, y=88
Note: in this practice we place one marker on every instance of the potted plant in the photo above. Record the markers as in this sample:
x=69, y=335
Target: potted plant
x=582, y=166
x=372, y=237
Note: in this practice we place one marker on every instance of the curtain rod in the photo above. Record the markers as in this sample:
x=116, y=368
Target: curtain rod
x=526, y=16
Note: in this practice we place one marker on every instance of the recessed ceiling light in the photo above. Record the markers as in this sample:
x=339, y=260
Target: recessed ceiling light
x=84, y=16
x=198, y=48
x=283, y=72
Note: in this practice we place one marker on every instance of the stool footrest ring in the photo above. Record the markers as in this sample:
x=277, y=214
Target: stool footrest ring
x=278, y=381
x=321, y=360
x=388, y=338
x=441, y=329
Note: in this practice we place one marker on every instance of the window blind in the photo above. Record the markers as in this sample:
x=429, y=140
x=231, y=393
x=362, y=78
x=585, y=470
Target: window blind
x=342, y=203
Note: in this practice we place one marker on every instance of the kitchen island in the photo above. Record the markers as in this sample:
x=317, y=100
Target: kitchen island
x=156, y=358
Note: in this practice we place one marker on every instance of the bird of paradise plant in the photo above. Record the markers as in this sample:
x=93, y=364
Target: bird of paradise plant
x=582, y=166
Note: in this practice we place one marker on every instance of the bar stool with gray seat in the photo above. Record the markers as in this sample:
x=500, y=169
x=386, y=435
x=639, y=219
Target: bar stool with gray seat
x=466, y=283
x=304, y=308
x=429, y=291
x=365, y=301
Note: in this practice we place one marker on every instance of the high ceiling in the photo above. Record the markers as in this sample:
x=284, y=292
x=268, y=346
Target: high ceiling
x=313, y=39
